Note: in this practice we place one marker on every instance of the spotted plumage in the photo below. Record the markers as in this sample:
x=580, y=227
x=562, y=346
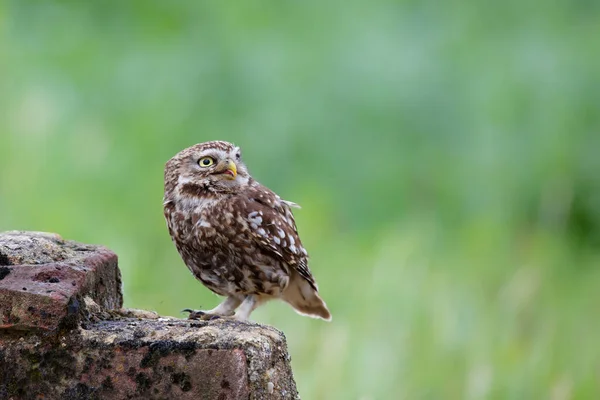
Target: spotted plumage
x=235, y=235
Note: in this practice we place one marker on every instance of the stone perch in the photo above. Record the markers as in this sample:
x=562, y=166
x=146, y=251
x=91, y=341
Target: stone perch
x=64, y=335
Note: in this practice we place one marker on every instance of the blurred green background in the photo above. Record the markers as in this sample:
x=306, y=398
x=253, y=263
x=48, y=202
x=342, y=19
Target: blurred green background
x=445, y=155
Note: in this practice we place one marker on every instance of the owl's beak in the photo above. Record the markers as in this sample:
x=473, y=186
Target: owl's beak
x=229, y=169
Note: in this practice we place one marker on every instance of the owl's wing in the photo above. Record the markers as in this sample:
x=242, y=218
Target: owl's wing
x=273, y=228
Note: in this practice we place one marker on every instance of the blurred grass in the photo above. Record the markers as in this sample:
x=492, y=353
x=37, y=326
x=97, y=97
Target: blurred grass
x=445, y=155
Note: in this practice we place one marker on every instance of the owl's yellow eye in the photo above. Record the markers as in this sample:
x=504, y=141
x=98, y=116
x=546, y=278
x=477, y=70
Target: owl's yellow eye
x=206, y=161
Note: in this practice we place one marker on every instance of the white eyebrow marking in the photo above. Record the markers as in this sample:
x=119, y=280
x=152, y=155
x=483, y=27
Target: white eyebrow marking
x=183, y=180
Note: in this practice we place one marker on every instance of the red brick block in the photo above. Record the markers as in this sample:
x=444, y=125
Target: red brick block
x=44, y=280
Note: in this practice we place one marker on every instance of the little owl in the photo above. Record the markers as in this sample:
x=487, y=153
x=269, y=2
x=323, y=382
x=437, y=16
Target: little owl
x=235, y=235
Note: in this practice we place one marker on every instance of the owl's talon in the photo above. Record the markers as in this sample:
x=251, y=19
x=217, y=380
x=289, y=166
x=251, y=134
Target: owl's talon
x=196, y=314
x=202, y=315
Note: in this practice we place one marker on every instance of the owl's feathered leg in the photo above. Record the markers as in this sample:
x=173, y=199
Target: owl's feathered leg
x=249, y=304
x=225, y=309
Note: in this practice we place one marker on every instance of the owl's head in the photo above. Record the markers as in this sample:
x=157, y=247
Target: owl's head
x=213, y=167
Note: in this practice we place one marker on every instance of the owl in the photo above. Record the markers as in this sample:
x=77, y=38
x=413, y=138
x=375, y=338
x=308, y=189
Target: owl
x=235, y=235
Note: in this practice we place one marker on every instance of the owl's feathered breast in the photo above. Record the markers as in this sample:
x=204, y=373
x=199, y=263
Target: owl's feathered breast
x=239, y=243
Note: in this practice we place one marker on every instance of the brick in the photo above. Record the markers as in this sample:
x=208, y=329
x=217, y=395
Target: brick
x=44, y=279
x=161, y=358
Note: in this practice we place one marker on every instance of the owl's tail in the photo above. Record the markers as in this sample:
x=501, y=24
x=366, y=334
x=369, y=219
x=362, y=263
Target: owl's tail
x=305, y=299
